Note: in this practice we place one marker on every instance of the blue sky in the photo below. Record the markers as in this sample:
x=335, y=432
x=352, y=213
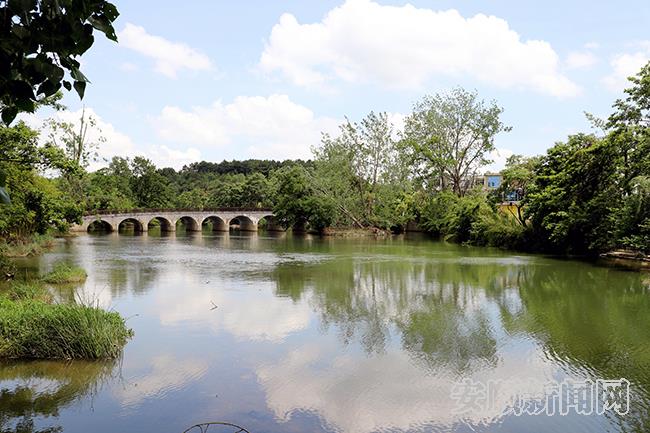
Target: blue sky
x=218, y=80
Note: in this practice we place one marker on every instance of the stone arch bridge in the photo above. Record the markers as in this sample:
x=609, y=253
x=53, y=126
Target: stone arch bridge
x=221, y=219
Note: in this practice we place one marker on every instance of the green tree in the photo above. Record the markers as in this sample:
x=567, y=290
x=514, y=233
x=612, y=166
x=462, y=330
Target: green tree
x=629, y=128
x=256, y=191
x=575, y=196
x=80, y=150
x=41, y=41
x=450, y=136
x=150, y=189
x=297, y=203
x=356, y=167
x=37, y=204
x=518, y=176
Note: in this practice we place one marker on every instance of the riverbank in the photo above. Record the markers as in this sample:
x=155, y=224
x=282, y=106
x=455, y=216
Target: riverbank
x=24, y=247
x=33, y=326
x=350, y=232
x=629, y=259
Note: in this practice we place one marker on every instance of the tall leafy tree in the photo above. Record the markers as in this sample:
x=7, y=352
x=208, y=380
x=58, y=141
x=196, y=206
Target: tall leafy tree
x=150, y=189
x=450, y=136
x=355, y=166
x=629, y=128
x=297, y=202
x=575, y=196
x=37, y=204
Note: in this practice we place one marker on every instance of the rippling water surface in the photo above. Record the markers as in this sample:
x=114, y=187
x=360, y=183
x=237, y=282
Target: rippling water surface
x=286, y=334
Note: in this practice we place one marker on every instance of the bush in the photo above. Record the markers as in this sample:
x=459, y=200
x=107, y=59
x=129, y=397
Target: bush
x=65, y=273
x=34, y=329
x=471, y=219
x=492, y=228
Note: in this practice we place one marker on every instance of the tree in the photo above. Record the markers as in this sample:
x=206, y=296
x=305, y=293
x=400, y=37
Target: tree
x=150, y=189
x=450, y=136
x=37, y=204
x=355, y=166
x=630, y=127
x=576, y=195
x=40, y=41
x=518, y=176
x=297, y=203
x=74, y=139
x=79, y=148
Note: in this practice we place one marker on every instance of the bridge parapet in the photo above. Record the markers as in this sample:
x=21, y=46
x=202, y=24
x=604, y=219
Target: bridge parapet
x=221, y=218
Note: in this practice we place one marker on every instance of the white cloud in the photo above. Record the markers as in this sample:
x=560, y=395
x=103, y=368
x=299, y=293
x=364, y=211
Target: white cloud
x=164, y=156
x=625, y=65
x=581, y=60
x=169, y=57
x=116, y=143
x=129, y=67
x=405, y=46
x=499, y=156
x=261, y=127
x=165, y=374
x=361, y=394
x=265, y=318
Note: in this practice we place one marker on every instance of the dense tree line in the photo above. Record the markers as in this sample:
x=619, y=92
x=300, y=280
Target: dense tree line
x=586, y=195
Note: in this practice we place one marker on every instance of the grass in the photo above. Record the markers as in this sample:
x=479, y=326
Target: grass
x=36, y=330
x=64, y=273
x=20, y=291
x=28, y=246
x=33, y=327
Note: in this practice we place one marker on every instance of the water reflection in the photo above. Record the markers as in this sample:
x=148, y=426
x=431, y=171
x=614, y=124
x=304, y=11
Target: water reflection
x=303, y=334
x=33, y=392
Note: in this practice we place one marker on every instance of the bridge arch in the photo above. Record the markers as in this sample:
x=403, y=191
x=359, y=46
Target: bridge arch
x=125, y=223
x=190, y=223
x=100, y=225
x=166, y=225
x=215, y=222
x=269, y=223
x=243, y=223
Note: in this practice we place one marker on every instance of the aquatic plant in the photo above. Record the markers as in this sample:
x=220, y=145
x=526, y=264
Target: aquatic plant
x=35, y=329
x=65, y=273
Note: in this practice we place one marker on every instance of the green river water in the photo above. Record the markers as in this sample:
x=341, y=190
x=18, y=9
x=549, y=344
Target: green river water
x=302, y=334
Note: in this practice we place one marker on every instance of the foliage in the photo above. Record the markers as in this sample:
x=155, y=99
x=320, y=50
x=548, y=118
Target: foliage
x=37, y=204
x=150, y=189
x=633, y=227
x=361, y=171
x=450, y=136
x=574, y=197
x=41, y=41
x=26, y=246
x=470, y=219
x=518, y=176
x=297, y=203
x=65, y=273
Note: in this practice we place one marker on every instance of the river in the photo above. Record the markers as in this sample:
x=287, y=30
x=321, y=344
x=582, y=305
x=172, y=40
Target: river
x=301, y=334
